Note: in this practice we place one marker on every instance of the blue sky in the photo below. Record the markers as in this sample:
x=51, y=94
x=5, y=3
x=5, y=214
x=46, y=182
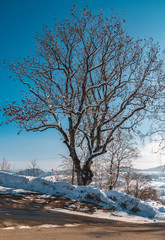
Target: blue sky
x=19, y=22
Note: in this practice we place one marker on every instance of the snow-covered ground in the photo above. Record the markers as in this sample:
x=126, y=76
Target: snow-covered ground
x=41, y=226
x=121, y=206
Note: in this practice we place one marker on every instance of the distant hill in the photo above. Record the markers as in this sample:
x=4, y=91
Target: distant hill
x=155, y=169
x=41, y=173
x=36, y=172
x=126, y=169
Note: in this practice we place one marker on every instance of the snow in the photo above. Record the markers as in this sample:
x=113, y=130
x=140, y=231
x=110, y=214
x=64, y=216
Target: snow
x=130, y=204
x=116, y=215
x=41, y=226
x=96, y=196
x=122, y=206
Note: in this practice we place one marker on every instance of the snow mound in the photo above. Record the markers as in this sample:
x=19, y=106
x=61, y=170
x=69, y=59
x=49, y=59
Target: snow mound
x=61, y=189
x=96, y=196
x=114, y=200
x=13, y=181
x=133, y=205
x=37, y=184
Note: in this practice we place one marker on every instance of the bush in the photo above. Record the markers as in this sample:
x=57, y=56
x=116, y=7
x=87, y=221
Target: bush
x=150, y=193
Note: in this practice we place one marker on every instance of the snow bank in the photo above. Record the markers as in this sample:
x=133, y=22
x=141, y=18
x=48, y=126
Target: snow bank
x=40, y=185
x=131, y=204
x=13, y=181
x=96, y=196
x=115, y=200
x=159, y=209
x=61, y=189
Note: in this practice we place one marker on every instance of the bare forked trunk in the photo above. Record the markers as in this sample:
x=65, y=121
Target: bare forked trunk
x=84, y=174
x=87, y=173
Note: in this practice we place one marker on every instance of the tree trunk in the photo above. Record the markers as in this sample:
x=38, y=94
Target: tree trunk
x=73, y=170
x=77, y=169
x=110, y=187
x=84, y=175
x=87, y=174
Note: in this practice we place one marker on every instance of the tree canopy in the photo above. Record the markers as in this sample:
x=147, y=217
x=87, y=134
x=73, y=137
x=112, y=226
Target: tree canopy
x=87, y=79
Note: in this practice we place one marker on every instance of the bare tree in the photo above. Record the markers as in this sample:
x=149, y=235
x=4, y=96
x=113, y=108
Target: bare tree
x=55, y=174
x=99, y=172
x=5, y=165
x=157, y=131
x=139, y=185
x=33, y=168
x=127, y=178
x=139, y=182
x=68, y=165
x=158, y=134
x=120, y=154
x=87, y=78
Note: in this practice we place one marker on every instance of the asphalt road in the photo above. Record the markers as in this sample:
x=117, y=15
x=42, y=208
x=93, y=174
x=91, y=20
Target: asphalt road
x=15, y=212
